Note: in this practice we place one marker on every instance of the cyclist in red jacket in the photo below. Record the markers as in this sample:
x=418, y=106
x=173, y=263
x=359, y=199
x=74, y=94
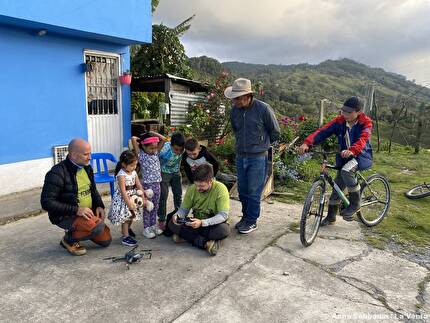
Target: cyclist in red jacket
x=353, y=129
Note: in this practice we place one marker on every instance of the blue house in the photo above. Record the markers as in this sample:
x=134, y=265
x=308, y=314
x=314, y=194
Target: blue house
x=60, y=63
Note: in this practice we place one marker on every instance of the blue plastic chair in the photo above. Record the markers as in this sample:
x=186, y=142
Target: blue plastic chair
x=102, y=175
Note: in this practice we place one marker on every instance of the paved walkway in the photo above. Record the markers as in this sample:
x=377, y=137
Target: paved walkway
x=266, y=276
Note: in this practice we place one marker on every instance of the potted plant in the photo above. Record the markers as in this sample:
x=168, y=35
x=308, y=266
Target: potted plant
x=125, y=78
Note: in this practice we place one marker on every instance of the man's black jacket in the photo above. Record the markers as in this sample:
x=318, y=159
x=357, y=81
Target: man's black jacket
x=60, y=191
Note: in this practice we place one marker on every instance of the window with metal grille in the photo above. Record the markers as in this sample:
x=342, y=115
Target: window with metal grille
x=60, y=153
x=102, y=85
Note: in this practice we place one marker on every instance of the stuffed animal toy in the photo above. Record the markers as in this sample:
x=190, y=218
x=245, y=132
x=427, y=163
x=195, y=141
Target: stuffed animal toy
x=148, y=193
x=139, y=201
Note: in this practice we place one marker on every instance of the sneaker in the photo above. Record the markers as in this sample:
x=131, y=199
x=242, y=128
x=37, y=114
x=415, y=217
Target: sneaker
x=240, y=223
x=178, y=239
x=156, y=229
x=75, y=248
x=148, y=233
x=128, y=241
x=131, y=233
x=212, y=247
x=248, y=228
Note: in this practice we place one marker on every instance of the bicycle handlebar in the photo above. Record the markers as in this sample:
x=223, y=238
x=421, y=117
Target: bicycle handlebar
x=322, y=152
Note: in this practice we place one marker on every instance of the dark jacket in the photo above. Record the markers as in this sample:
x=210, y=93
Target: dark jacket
x=359, y=136
x=255, y=127
x=60, y=191
x=204, y=157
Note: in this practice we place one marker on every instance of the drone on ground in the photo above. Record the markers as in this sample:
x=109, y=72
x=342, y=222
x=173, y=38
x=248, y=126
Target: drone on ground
x=132, y=256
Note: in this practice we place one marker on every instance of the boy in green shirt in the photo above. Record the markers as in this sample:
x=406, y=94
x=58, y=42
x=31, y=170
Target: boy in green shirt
x=210, y=202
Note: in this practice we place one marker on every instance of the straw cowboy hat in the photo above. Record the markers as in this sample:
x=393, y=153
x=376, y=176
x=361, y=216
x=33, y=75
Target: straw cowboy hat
x=240, y=87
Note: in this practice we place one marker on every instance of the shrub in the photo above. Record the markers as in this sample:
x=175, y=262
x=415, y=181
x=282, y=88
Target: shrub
x=223, y=149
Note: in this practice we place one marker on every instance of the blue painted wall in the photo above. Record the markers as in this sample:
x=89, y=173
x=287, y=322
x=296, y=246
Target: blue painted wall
x=119, y=21
x=43, y=92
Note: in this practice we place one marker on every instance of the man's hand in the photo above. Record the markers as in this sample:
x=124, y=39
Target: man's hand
x=85, y=212
x=303, y=148
x=100, y=212
x=346, y=153
x=174, y=217
x=196, y=223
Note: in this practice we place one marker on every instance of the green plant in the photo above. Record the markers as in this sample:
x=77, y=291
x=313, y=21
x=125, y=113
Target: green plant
x=210, y=118
x=198, y=119
x=165, y=54
x=186, y=130
x=224, y=150
x=146, y=105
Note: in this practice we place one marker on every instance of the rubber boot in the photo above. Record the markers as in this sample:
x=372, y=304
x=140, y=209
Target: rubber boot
x=354, y=206
x=331, y=215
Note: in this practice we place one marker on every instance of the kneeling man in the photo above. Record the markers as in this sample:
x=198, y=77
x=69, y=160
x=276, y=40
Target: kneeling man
x=70, y=196
x=209, y=201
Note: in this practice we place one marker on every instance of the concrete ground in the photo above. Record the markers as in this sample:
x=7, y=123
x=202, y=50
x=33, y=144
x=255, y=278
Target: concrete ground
x=266, y=276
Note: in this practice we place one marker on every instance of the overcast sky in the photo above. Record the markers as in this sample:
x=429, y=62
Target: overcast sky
x=392, y=34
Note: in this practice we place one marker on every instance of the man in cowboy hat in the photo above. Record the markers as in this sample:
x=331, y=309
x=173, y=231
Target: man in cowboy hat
x=255, y=128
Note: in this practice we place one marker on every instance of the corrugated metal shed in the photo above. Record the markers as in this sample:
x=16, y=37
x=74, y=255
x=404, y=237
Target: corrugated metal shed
x=179, y=104
x=179, y=93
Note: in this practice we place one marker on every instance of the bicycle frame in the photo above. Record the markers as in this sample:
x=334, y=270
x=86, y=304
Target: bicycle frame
x=324, y=175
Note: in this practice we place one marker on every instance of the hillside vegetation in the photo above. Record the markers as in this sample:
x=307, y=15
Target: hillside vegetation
x=293, y=90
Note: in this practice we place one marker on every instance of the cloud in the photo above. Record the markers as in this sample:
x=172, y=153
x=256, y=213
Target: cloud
x=391, y=33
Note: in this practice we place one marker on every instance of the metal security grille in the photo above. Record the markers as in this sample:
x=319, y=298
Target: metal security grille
x=102, y=87
x=60, y=153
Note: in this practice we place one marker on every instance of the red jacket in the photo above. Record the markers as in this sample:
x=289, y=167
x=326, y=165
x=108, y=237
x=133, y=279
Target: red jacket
x=359, y=137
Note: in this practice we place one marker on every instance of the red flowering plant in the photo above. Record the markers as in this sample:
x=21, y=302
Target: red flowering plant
x=224, y=150
x=290, y=127
x=184, y=129
x=289, y=168
x=209, y=118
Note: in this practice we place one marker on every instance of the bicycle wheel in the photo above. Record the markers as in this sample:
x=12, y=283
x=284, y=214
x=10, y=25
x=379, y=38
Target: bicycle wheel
x=375, y=200
x=418, y=191
x=313, y=209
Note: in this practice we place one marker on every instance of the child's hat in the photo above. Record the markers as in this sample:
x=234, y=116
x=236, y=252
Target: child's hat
x=353, y=104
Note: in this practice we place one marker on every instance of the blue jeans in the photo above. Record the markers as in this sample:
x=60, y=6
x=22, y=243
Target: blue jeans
x=251, y=177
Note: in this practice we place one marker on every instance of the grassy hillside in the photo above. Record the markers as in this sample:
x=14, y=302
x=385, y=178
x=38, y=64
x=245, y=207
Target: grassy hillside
x=298, y=89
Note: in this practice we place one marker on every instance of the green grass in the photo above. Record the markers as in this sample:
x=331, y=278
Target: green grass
x=408, y=221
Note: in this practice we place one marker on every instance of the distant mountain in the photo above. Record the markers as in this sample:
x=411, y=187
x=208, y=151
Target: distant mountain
x=293, y=89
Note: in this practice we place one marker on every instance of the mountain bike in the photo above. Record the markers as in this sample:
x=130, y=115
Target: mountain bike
x=418, y=191
x=375, y=200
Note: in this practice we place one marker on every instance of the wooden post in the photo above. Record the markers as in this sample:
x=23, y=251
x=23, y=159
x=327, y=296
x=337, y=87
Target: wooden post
x=167, y=87
x=321, y=120
x=377, y=127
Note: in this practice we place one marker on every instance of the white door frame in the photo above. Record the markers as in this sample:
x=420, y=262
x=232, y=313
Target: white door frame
x=119, y=90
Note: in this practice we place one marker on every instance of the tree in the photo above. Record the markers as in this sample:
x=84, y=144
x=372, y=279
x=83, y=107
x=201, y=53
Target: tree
x=420, y=125
x=154, y=4
x=166, y=54
x=210, y=118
